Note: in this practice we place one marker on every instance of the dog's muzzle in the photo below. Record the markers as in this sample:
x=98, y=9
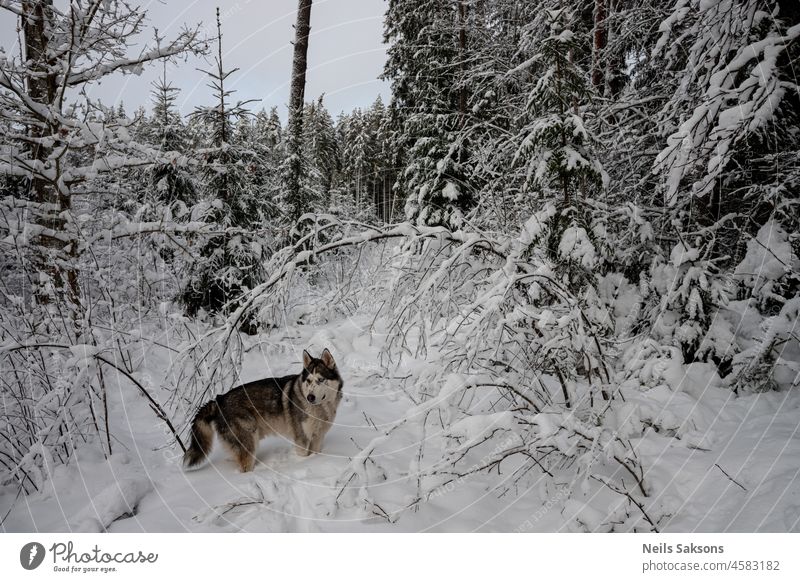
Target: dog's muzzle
x=314, y=400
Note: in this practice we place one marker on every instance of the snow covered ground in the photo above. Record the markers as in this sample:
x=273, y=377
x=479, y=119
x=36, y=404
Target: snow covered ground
x=738, y=469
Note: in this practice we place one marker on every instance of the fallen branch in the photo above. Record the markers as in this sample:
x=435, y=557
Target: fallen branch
x=729, y=477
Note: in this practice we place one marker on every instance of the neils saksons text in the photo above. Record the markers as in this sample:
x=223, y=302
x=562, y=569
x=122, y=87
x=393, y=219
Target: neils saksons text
x=664, y=548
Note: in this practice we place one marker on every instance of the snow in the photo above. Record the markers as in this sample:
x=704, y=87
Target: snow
x=756, y=445
x=451, y=191
x=474, y=428
x=117, y=501
x=143, y=489
x=733, y=105
x=681, y=254
x=769, y=257
x=576, y=246
x=536, y=224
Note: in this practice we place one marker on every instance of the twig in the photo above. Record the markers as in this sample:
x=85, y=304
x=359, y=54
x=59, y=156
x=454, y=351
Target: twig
x=729, y=477
x=13, y=503
x=153, y=404
x=631, y=498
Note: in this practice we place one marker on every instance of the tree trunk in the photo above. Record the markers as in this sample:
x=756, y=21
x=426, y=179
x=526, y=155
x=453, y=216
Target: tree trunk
x=615, y=63
x=599, y=45
x=54, y=201
x=462, y=53
x=387, y=198
x=297, y=203
x=222, y=117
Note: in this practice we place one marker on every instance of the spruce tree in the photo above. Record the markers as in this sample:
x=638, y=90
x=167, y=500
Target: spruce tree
x=321, y=151
x=229, y=263
x=556, y=150
x=170, y=181
x=423, y=65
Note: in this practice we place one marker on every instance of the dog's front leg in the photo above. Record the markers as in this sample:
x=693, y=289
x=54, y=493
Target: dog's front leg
x=303, y=446
x=316, y=442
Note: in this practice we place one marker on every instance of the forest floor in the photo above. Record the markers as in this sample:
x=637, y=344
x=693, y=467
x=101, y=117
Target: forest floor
x=740, y=473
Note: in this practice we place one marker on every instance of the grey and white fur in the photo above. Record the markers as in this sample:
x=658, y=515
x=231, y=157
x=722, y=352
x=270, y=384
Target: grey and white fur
x=300, y=407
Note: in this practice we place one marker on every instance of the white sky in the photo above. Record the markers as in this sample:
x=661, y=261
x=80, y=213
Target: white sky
x=346, y=52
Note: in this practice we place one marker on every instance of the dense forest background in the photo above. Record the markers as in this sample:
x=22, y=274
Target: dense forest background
x=565, y=210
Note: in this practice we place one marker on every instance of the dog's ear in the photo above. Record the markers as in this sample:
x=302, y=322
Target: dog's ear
x=327, y=359
x=306, y=359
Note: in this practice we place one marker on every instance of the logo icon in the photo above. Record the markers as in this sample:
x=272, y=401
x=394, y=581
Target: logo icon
x=31, y=555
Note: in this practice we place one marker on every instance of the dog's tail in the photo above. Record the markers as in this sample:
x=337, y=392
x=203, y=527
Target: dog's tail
x=202, y=436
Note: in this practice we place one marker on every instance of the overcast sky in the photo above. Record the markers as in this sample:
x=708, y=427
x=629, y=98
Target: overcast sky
x=346, y=52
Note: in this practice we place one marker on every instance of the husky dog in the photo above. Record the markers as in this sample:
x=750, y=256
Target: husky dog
x=300, y=407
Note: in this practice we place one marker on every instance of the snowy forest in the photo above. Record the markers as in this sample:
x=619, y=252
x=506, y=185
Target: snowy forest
x=559, y=270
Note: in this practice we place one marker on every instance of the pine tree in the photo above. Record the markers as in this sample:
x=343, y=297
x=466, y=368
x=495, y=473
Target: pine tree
x=270, y=130
x=381, y=159
x=727, y=122
x=170, y=181
x=555, y=149
x=321, y=150
x=270, y=152
x=224, y=167
x=229, y=263
x=356, y=159
x=423, y=62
